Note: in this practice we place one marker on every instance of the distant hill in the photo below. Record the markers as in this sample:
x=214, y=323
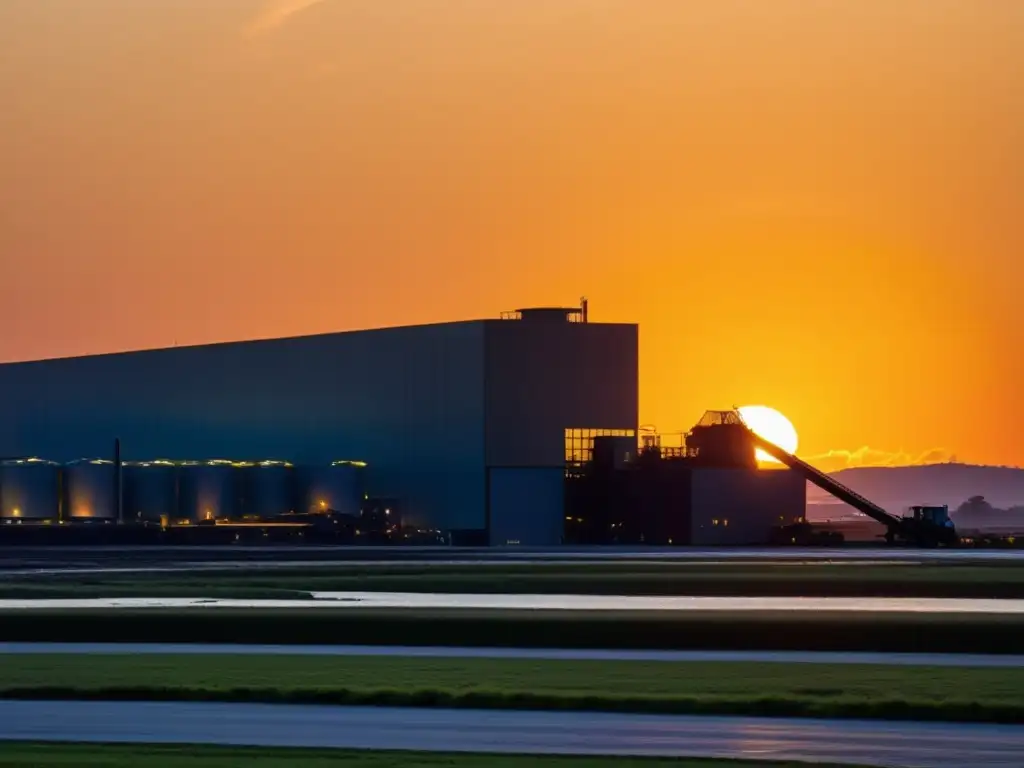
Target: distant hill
x=896, y=488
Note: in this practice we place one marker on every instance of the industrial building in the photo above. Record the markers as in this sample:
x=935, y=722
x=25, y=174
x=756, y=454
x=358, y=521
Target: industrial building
x=708, y=491
x=515, y=431
x=465, y=424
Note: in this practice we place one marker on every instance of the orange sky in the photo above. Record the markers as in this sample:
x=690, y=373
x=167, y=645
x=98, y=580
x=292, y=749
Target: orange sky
x=816, y=205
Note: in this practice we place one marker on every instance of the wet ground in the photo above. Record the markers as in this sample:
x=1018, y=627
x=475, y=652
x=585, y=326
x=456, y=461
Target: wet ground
x=904, y=744
x=399, y=600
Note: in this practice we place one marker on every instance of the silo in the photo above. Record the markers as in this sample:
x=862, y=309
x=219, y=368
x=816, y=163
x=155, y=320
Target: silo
x=337, y=487
x=268, y=489
x=90, y=490
x=150, y=490
x=209, y=490
x=29, y=489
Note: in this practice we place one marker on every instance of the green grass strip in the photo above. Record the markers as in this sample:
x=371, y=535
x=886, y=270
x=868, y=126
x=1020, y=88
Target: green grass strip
x=791, y=690
x=29, y=755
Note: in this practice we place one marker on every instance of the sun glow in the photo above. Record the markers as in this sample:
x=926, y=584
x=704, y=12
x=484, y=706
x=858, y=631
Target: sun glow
x=768, y=424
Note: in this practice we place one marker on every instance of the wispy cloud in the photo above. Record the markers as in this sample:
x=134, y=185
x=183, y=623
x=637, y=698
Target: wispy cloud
x=872, y=457
x=274, y=14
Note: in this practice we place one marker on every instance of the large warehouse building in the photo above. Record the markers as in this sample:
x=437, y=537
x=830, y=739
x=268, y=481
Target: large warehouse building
x=467, y=424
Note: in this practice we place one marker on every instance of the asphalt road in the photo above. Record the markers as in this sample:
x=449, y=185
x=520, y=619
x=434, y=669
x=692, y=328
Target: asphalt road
x=760, y=657
x=908, y=745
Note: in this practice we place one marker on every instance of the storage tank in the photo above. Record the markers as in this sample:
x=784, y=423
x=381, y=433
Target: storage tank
x=29, y=489
x=90, y=490
x=268, y=489
x=150, y=490
x=337, y=487
x=209, y=490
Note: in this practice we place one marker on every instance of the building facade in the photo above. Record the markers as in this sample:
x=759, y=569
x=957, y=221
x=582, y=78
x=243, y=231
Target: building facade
x=741, y=506
x=673, y=502
x=464, y=423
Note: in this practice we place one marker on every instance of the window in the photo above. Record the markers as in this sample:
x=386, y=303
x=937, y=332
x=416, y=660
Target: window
x=579, y=442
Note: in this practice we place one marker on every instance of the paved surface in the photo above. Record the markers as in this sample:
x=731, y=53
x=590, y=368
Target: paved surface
x=779, y=657
x=908, y=745
x=428, y=600
x=669, y=603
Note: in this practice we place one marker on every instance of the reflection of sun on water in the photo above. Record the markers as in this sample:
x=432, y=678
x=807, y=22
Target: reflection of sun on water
x=770, y=425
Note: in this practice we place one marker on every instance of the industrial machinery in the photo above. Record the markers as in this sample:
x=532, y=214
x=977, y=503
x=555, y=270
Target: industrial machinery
x=934, y=518
x=924, y=526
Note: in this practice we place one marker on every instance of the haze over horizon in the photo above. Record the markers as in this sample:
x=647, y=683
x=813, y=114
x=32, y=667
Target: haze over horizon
x=812, y=205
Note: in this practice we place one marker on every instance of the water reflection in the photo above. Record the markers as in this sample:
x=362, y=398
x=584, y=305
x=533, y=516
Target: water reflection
x=342, y=600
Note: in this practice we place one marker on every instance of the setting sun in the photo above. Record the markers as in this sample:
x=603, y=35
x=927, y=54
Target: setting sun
x=772, y=426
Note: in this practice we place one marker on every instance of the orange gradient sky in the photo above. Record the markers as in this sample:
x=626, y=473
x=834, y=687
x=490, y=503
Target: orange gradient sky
x=814, y=205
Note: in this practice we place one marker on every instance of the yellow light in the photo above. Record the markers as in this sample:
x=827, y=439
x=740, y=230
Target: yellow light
x=769, y=424
x=16, y=512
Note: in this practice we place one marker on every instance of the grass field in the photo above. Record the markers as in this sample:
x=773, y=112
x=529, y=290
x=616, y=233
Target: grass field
x=972, y=694
x=678, y=578
x=18, y=755
x=721, y=630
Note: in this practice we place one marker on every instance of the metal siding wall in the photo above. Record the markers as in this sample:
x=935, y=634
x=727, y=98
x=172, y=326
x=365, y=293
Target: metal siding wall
x=752, y=502
x=409, y=401
x=543, y=378
x=527, y=507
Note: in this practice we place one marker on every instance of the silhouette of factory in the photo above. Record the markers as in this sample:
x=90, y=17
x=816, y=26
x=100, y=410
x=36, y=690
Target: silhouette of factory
x=516, y=431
